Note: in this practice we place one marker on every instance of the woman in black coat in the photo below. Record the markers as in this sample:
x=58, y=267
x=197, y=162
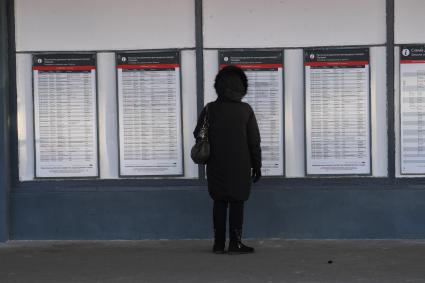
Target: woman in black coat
x=235, y=157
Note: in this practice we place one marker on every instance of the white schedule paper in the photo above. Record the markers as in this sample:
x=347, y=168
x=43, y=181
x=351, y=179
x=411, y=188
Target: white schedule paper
x=412, y=109
x=337, y=112
x=65, y=115
x=264, y=70
x=149, y=107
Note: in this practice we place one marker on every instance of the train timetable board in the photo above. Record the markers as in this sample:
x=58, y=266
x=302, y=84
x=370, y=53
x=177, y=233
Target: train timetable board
x=65, y=115
x=264, y=70
x=412, y=109
x=149, y=113
x=337, y=111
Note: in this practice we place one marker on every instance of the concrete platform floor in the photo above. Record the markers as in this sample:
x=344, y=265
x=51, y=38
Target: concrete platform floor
x=188, y=261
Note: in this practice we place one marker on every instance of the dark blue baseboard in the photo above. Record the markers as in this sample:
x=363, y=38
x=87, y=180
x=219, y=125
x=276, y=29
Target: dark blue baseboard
x=177, y=213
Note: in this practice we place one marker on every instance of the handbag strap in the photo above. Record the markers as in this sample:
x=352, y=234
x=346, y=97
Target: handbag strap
x=206, y=118
x=203, y=133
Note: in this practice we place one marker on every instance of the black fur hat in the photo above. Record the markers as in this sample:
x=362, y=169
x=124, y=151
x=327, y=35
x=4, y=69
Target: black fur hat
x=231, y=82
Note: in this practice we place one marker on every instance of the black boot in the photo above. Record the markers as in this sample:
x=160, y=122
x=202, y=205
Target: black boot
x=236, y=246
x=219, y=241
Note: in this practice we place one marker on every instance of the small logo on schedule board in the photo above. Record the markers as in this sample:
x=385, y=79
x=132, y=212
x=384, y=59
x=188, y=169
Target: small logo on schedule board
x=405, y=52
x=312, y=56
x=39, y=60
x=226, y=59
x=124, y=59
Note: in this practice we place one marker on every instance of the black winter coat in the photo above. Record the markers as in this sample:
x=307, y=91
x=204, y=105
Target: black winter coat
x=235, y=148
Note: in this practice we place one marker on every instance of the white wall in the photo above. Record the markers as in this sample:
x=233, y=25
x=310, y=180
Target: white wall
x=108, y=116
x=103, y=25
x=294, y=108
x=302, y=23
x=378, y=108
x=107, y=25
x=409, y=21
x=58, y=25
x=25, y=116
x=294, y=113
x=408, y=29
x=286, y=23
x=107, y=113
x=210, y=70
x=189, y=106
x=397, y=116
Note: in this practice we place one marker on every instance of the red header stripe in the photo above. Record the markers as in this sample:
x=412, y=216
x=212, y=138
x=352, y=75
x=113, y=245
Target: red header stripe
x=254, y=66
x=148, y=66
x=412, y=61
x=64, y=68
x=338, y=63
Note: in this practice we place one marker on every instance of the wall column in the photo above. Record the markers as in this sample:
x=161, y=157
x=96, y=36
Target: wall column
x=199, y=66
x=4, y=125
x=390, y=88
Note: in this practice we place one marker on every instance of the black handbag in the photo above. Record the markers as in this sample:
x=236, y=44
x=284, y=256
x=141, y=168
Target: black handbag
x=200, y=152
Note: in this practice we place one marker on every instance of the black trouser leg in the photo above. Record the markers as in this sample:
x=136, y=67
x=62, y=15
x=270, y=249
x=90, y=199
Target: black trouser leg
x=220, y=215
x=219, y=219
x=236, y=215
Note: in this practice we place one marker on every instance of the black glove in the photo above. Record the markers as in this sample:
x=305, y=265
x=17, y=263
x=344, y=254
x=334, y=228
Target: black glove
x=256, y=175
